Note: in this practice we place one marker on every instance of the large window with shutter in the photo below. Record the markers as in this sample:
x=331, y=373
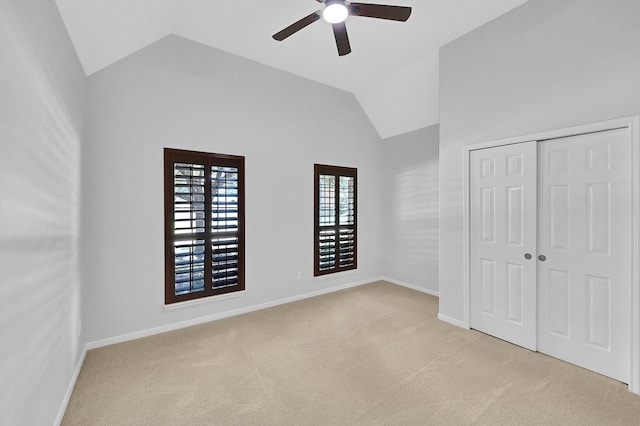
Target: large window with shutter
x=204, y=224
x=335, y=230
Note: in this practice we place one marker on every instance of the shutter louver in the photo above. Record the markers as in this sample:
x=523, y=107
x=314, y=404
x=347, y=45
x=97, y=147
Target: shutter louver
x=189, y=220
x=224, y=217
x=347, y=219
x=327, y=200
x=335, y=219
x=347, y=248
x=189, y=266
x=327, y=252
x=204, y=236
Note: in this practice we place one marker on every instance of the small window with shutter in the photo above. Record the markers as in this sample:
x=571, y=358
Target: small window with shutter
x=204, y=224
x=335, y=230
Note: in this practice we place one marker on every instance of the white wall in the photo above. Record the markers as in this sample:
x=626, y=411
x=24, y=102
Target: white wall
x=405, y=100
x=42, y=89
x=410, y=166
x=180, y=94
x=542, y=66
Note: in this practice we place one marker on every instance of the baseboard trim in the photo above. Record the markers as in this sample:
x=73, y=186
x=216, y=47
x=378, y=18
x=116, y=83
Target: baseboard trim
x=183, y=324
x=205, y=319
x=71, y=387
x=208, y=318
x=451, y=321
x=411, y=286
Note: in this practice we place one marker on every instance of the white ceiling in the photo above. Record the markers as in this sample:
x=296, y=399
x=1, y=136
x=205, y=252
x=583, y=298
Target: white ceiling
x=392, y=69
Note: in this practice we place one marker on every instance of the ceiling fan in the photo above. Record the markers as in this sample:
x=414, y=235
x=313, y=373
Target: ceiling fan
x=336, y=11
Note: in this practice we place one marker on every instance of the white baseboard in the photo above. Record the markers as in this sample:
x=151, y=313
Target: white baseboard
x=201, y=320
x=71, y=387
x=208, y=318
x=411, y=286
x=452, y=321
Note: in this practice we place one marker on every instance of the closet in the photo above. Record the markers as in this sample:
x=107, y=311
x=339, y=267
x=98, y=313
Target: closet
x=550, y=247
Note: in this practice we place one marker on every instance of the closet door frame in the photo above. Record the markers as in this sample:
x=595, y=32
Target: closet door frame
x=633, y=126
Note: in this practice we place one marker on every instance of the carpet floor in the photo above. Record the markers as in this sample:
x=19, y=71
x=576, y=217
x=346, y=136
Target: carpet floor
x=370, y=355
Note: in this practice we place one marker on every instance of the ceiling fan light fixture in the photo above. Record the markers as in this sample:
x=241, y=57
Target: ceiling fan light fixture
x=335, y=13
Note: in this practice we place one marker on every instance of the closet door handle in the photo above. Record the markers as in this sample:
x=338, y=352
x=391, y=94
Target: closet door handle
x=527, y=256
x=542, y=258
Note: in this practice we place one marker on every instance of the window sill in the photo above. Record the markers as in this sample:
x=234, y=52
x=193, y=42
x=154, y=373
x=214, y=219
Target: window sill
x=335, y=275
x=204, y=300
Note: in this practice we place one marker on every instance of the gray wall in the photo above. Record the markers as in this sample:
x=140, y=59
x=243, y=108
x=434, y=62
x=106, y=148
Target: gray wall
x=410, y=167
x=548, y=64
x=180, y=94
x=42, y=89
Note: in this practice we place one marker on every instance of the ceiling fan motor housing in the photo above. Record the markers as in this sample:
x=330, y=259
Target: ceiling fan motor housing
x=336, y=11
x=328, y=2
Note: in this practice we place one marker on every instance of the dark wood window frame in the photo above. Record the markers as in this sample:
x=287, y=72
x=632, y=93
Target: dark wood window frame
x=335, y=230
x=212, y=234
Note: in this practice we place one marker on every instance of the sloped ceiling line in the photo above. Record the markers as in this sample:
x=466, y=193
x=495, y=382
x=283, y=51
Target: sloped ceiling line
x=387, y=70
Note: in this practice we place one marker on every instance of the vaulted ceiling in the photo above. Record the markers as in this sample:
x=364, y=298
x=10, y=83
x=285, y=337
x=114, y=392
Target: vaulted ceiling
x=392, y=70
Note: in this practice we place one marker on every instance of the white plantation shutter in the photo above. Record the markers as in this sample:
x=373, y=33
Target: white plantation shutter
x=204, y=221
x=335, y=230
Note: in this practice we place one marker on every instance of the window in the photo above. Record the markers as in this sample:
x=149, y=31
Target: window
x=204, y=224
x=335, y=230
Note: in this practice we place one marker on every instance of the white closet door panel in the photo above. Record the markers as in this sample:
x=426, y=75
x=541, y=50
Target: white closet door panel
x=584, y=222
x=503, y=230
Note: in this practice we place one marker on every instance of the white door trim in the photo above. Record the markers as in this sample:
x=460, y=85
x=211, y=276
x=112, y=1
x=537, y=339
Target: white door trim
x=633, y=124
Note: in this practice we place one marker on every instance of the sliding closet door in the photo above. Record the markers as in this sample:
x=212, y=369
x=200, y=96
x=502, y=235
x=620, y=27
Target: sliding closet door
x=502, y=242
x=584, y=251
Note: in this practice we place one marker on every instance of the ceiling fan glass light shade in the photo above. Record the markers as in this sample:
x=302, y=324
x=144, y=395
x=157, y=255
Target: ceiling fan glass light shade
x=335, y=13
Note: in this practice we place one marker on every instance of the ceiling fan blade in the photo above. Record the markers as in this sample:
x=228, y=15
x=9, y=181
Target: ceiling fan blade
x=297, y=26
x=342, y=39
x=394, y=13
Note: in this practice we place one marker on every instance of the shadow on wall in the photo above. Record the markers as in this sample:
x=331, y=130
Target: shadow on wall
x=39, y=222
x=412, y=161
x=415, y=210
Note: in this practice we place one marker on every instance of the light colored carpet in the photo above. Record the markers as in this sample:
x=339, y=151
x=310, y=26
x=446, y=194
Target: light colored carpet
x=374, y=354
